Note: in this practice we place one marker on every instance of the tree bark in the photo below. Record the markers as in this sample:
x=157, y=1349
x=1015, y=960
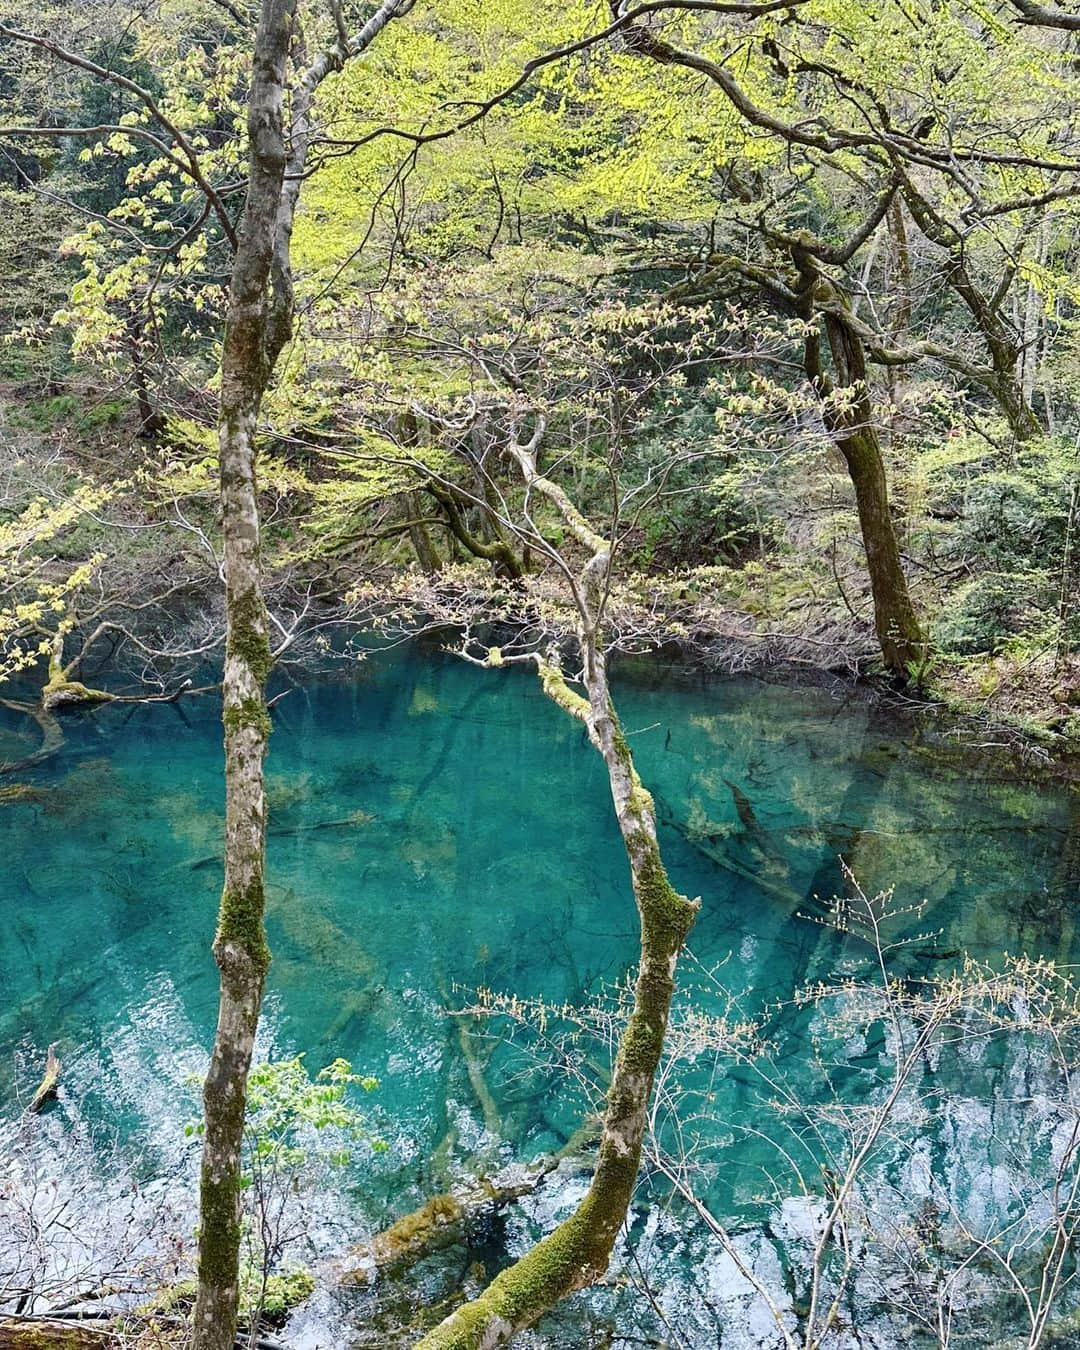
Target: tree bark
x=850, y=422
x=427, y=555
x=151, y=420
x=899, y=634
x=240, y=947
x=258, y=324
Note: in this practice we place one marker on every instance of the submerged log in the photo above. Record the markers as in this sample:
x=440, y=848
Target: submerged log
x=474, y=1067
x=353, y=821
x=14, y=793
x=439, y=1222
x=744, y=809
x=47, y=1087
x=52, y=735
x=718, y=854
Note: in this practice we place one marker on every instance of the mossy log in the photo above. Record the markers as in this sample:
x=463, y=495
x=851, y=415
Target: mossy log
x=47, y=1332
x=42, y=1333
x=47, y=1087
x=439, y=1222
x=63, y=693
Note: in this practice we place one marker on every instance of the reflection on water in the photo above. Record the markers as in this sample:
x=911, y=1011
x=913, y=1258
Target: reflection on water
x=434, y=828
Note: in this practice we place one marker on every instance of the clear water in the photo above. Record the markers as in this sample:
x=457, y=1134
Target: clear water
x=435, y=828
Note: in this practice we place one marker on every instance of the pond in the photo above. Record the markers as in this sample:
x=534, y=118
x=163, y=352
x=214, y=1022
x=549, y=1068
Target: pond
x=434, y=829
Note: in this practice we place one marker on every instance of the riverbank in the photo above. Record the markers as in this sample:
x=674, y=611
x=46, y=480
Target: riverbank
x=151, y=571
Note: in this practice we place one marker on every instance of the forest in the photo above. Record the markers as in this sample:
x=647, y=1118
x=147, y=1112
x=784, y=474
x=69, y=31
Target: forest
x=539, y=674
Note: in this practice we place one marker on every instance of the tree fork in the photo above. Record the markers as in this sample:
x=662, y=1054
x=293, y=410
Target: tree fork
x=577, y=1252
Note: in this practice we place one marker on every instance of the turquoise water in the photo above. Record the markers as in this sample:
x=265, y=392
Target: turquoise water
x=435, y=828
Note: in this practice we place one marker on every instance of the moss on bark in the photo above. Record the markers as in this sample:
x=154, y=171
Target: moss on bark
x=219, y=1233
x=240, y=925
x=251, y=712
x=62, y=693
x=248, y=640
x=578, y=1251
x=555, y=687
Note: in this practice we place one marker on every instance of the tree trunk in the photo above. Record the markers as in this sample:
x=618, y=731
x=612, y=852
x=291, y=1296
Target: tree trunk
x=427, y=555
x=151, y=421
x=258, y=324
x=577, y=1252
x=498, y=552
x=899, y=634
x=850, y=421
x=240, y=947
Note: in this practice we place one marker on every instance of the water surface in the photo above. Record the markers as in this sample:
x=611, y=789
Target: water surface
x=434, y=828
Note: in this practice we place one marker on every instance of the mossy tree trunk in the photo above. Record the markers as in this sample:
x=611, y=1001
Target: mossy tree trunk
x=427, y=555
x=577, y=1252
x=258, y=324
x=850, y=421
x=496, y=551
x=240, y=947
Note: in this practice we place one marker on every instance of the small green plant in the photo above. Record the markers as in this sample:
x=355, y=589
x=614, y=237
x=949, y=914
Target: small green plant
x=297, y=1129
x=288, y=1111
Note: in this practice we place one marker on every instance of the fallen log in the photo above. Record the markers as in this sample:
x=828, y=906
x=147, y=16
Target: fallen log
x=439, y=1223
x=74, y=1331
x=52, y=1333
x=47, y=1087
